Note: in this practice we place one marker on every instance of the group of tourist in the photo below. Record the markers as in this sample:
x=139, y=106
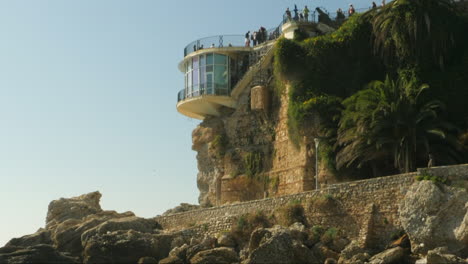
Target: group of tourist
x=351, y=10
x=257, y=37
x=298, y=16
x=261, y=35
x=304, y=15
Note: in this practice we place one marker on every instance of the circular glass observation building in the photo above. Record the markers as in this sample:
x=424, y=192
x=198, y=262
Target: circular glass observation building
x=210, y=73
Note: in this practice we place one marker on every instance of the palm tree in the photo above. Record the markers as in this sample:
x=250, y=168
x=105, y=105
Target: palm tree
x=390, y=120
x=413, y=29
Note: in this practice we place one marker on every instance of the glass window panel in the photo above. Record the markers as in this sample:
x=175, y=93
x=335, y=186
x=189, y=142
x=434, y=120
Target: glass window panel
x=189, y=82
x=202, y=60
x=220, y=78
x=189, y=64
x=195, y=77
x=220, y=59
x=202, y=75
x=209, y=83
x=209, y=68
x=195, y=62
x=209, y=59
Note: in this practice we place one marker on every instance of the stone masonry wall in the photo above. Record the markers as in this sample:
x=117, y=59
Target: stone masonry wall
x=365, y=210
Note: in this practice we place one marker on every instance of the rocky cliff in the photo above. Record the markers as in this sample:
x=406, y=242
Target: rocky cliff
x=247, y=154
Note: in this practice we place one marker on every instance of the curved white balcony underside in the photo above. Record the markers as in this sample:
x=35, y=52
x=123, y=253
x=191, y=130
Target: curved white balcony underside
x=205, y=105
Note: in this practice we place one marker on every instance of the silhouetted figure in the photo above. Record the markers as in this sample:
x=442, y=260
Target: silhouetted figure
x=296, y=15
x=306, y=13
x=374, y=5
x=247, y=39
x=339, y=14
x=288, y=14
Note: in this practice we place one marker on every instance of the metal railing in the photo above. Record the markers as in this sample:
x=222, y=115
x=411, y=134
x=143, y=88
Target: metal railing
x=320, y=14
x=215, y=42
x=223, y=41
x=182, y=94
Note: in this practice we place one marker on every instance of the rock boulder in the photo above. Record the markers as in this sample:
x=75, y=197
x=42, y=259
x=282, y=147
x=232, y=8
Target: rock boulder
x=435, y=215
x=222, y=255
x=73, y=208
x=37, y=254
x=276, y=245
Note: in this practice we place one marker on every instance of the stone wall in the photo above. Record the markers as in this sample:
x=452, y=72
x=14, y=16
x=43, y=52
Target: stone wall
x=365, y=210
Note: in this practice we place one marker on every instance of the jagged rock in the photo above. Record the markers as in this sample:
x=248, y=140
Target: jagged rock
x=67, y=236
x=353, y=254
x=72, y=208
x=330, y=261
x=256, y=237
x=183, y=207
x=441, y=255
x=179, y=252
x=207, y=243
x=244, y=254
x=9, y=249
x=171, y=260
x=226, y=240
x=217, y=255
x=210, y=170
x=434, y=216
x=37, y=254
x=125, y=247
x=298, y=231
x=147, y=260
x=339, y=244
x=134, y=223
x=461, y=233
x=276, y=245
x=351, y=250
x=393, y=255
x=322, y=252
x=359, y=258
x=42, y=236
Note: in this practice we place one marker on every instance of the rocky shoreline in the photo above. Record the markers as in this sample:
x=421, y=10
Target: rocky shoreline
x=434, y=218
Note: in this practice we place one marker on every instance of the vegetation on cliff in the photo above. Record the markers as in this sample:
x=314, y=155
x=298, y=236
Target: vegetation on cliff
x=386, y=89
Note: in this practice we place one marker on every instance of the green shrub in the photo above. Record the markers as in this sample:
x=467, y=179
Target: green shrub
x=329, y=235
x=247, y=223
x=315, y=233
x=291, y=213
x=274, y=183
x=323, y=69
x=385, y=221
x=253, y=164
x=219, y=144
x=300, y=35
x=434, y=179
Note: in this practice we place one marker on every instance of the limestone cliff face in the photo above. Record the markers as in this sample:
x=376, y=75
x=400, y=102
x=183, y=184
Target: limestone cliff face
x=246, y=153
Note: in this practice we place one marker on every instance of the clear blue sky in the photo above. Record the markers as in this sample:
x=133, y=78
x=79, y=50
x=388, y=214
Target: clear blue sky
x=87, y=100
